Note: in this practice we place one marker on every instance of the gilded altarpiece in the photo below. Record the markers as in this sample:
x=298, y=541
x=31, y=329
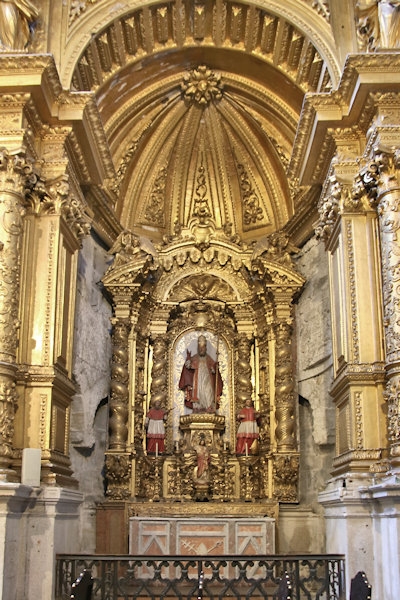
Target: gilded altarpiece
x=239, y=299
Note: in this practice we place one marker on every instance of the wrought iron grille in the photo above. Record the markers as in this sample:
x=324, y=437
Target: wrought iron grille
x=208, y=577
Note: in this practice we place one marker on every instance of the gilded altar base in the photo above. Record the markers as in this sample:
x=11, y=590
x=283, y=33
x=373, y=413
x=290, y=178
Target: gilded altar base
x=182, y=510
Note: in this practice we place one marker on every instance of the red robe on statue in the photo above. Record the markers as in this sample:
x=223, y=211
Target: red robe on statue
x=190, y=382
x=248, y=429
x=155, y=426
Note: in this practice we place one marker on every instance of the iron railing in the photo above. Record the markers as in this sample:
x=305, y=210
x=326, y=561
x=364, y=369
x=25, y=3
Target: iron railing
x=125, y=577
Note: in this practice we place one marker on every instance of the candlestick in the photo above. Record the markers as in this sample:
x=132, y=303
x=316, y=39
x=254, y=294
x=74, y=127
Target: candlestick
x=156, y=449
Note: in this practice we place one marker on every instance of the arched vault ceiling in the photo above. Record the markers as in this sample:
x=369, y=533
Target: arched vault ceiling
x=220, y=154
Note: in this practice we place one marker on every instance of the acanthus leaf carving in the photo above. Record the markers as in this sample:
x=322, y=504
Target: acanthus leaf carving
x=55, y=197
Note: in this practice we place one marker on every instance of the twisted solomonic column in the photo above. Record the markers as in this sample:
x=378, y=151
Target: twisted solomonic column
x=159, y=372
x=285, y=431
x=119, y=411
x=244, y=387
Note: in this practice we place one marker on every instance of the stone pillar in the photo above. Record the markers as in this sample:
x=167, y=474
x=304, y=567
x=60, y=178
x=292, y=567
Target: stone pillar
x=13, y=169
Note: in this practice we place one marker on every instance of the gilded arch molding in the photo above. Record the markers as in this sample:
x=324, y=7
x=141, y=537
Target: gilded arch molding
x=293, y=29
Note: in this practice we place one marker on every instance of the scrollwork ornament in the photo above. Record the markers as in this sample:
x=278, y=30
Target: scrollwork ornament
x=329, y=210
x=286, y=475
x=392, y=397
x=118, y=474
x=366, y=183
x=338, y=197
x=77, y=8
x=8, y=405
x=14, y=171
x=54, y=197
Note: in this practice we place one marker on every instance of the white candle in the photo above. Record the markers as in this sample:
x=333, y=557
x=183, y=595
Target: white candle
x=156, y=449
x=247, y=450
x=224, y=444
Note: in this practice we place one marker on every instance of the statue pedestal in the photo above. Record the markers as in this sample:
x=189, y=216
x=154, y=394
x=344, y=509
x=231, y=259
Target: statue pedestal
x=208, y=426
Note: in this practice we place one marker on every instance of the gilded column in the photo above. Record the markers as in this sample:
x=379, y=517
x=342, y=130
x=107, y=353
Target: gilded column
x=118, y=420
x=285, y=431
x=159, y=372
x=381, y=180
x=348, y=225
x=13, y=169
x=244, y=387
x=118, y=463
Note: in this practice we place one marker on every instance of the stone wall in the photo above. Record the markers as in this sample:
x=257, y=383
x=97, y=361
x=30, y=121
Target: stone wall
x=92, y=356
x=303, y=527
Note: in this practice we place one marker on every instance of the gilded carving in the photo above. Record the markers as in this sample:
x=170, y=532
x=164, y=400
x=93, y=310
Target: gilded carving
x=13, y=171
x=359, y=420
x=55, y=197
x=118, y=475
x=321, y=6
x=284, y=400
x=18, y=20
x=353, y=293
x=78, y=7
x=143, y=31
x=243, y=371
x=118, y=429
x=202, y=86
x=8, y=406
x=231, y=294
x=378, y=24
x=180, y=476
x=285, y=474
x=379, y=181
x=155, y=209
x=158, y=389
x=252, y=210
x=249, y=478
x=275, y=247
x=129, y=248
x=392, y=397
x=338, y=197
